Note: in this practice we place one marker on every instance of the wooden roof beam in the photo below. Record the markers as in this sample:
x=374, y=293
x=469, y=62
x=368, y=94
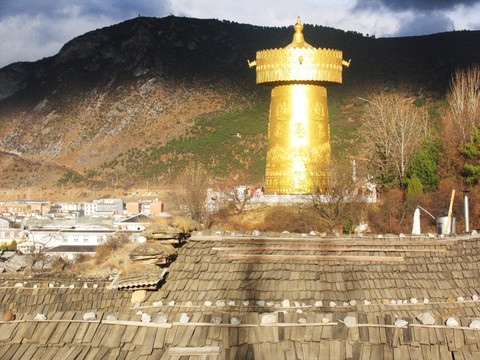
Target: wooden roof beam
x=247, y=257
x=332, y=249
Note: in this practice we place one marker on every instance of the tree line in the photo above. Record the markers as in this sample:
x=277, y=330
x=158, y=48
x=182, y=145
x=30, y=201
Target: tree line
x=417, y=158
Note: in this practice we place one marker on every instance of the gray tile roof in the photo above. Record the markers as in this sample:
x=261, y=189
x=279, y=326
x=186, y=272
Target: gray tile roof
x=275, y=299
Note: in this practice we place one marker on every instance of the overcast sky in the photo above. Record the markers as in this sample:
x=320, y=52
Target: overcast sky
x=33, y=29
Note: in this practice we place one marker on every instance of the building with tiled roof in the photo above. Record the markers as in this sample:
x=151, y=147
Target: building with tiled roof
x=228, y=297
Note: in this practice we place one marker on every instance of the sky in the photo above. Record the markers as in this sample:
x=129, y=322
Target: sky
x=33, y=29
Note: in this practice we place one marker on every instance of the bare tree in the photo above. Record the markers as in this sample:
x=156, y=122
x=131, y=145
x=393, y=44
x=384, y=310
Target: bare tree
x=334, y=196
x=392, y=131
x=238, y=197
x=191, y=190
x=37, y=246
x=116, y=241
x=110, y=246
x=234, y=192
x=464, y=101
x=450, y=138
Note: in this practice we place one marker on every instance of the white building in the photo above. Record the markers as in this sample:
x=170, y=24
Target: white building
x=89, y=209
x=109, y=206
x=51, y=237
x=29, y=247
x=103, y=207
x=133, y=223
x=72, y=206
x=134, y=226
x=8, y=233
x=5, y=223
x=71, y=235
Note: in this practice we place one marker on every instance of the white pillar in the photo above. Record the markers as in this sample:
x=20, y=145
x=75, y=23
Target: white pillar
x=465, y=211
x=416, y=222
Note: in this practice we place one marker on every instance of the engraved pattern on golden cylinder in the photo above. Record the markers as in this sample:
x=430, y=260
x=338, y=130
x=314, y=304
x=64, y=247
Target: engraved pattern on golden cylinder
x=299, y=138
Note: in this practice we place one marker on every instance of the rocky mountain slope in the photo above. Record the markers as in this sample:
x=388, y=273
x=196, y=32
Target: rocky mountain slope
x=139, y=100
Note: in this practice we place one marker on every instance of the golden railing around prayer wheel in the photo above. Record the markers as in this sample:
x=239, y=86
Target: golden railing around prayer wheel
x=298, y=131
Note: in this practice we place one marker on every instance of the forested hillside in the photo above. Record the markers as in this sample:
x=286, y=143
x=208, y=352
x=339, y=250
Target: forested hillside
x=140, y=100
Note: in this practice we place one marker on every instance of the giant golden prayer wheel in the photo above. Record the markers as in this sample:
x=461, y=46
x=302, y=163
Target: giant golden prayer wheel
x=298, y=131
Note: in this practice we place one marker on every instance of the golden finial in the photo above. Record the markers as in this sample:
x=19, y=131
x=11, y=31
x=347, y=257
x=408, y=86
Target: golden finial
x=298, y=26
x=298, y=39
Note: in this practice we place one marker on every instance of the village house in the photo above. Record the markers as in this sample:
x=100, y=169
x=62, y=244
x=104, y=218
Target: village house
x=7, y=236
x=25, y=207
x=134, y=226
x=147, y=207
x=104, y=207
x=89, y=208
x=69, y=240
x=4, y=223
x=71, y=207
x=63, y=215
x=137, y=222
x=8, y=233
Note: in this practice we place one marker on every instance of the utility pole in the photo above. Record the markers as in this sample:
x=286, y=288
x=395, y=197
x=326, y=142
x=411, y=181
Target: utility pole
x=449, y=218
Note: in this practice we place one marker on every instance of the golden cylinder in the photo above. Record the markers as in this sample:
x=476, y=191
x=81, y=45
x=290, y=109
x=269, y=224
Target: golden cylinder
x=298, y=139
x=298, y=132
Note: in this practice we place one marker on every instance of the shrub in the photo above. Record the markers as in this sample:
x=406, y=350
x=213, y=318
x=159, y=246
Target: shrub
x=291, y=218
x=388, y=215
x=112, y=244
x=116, y=241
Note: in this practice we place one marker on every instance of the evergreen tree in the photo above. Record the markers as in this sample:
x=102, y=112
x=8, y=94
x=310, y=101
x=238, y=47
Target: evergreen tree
x=424, y=166
x=414, y=189
x=471, y=149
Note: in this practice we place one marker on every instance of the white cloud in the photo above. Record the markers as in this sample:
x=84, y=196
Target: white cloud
x=466, y=18
x=425, y=23
x=31, y=30
x=338, y=14
x=29, y=38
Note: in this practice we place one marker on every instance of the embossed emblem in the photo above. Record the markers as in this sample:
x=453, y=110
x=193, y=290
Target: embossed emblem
x=280, y=129
x=317, y=112
x=283, y=111
x=321, y=129
x=300, y=130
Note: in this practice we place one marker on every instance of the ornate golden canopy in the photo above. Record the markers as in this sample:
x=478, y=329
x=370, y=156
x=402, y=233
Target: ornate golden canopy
x=299, y=61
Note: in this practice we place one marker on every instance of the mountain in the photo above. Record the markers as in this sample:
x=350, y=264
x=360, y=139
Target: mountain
x=139, y=100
